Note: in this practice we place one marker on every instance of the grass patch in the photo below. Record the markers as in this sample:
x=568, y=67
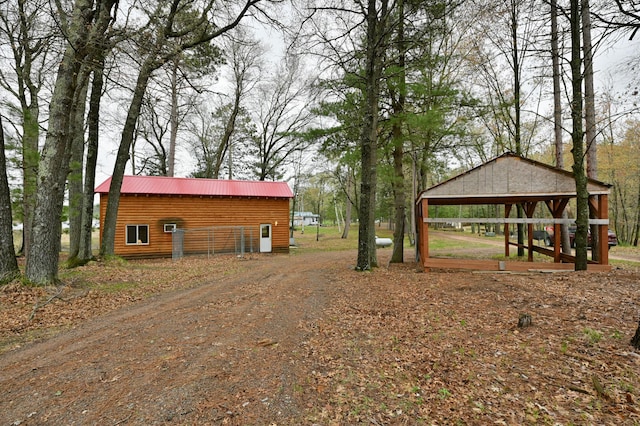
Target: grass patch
x=329, y=238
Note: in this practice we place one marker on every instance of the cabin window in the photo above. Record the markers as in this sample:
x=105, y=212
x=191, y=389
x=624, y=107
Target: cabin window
x=169, y=227
x=137, y=234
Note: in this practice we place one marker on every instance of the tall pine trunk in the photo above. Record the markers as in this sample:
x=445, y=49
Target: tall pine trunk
x=399, y=195
x=577, y=136
x=367, y=258
x=590, y=113
x=557, y=114
x=517, y=135
x=85, y=31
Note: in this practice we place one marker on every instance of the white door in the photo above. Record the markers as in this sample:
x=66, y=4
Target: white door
x=265, y=238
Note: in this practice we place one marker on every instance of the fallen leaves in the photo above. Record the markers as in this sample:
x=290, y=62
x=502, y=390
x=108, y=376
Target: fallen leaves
x=387, y=347
x=443, y=348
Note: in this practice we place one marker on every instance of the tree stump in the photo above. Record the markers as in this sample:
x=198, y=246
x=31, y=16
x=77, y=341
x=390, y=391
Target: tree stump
x=635, y=342
x=524, y=320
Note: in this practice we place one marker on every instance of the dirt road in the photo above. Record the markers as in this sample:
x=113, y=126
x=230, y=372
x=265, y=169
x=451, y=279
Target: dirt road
x=304, y=339
x=203, y=355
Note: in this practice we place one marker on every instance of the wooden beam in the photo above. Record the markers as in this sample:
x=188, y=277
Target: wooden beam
x=603, y=230
x=499, y=265
x=511, y=220
x=529, y=208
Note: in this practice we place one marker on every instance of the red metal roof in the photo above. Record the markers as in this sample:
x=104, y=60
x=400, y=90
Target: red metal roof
x=161, y=185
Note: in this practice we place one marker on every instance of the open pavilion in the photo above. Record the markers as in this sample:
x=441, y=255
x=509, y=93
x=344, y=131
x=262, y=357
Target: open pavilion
x=512, y=180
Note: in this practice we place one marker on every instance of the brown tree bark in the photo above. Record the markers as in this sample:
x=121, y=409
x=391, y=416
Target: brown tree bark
x=577, y=136
x=399, y=195
x=43, y=256
x=376, y=28
x=557, y=114
x=74, y=181
x=85, y=252
x=348, y=205
x=8, y=263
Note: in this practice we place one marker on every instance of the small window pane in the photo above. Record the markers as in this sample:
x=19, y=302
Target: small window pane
x=143, y=234
x=265, y=231
x=169, y=227
x=132, y=234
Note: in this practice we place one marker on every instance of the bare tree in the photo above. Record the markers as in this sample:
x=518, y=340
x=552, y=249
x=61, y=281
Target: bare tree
x=244, y=55
x=505, y=118
x=283, y=112
x=623, y=16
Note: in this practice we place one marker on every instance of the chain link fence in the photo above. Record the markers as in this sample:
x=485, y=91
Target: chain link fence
x=215, y=240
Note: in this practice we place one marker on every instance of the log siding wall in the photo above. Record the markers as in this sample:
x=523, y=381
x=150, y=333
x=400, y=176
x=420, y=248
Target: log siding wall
x=191, y=212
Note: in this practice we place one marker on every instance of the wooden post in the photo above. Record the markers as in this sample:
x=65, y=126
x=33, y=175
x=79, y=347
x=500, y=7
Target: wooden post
x=557, y=230
x=423, y=213
x=507, y=212
x=529, y=209
x=603, y=230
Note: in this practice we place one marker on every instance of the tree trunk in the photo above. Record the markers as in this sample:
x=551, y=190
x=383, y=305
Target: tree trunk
x=113, y=202
x=399, y=201
x=30, y=159
x=173, y=135
x=93, y=121
x=515, y=52
x=8, y=263
x=43, y=255
x=27, y=94
x=369, y=137
x=557, y=115
x=75, y=167
x=636, y=232
x=86, y=28
x=577, y=136
x=229, y=128
x=399, y=195
x=590, y=113
x=347, y=207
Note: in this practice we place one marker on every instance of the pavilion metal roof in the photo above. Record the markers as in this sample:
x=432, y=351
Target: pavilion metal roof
x=161, y=185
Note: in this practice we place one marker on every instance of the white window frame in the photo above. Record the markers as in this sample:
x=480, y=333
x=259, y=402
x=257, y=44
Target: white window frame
x=169, y=227
x=138, y=242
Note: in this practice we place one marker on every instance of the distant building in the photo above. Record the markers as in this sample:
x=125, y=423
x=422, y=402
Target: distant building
x=305, y=218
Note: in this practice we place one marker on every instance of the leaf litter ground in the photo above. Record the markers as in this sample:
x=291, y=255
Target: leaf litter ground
x=304, y=339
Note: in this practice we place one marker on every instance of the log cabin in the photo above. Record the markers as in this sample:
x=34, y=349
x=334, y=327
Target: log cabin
x=154, y=210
